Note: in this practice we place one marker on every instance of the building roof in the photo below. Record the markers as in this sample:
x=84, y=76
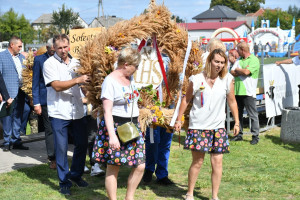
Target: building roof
x=107, y=21
x=258, y=13
x=212, y=25
x=43, y=19
x=218, y=12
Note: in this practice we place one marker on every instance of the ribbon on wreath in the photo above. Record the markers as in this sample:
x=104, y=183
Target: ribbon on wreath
x=161, y=64
x=142, y=44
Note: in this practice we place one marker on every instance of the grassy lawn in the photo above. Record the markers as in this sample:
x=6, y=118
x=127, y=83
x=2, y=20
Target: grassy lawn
x=269, y=170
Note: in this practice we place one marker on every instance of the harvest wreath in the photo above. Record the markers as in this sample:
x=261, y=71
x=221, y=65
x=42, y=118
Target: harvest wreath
x=98, y=57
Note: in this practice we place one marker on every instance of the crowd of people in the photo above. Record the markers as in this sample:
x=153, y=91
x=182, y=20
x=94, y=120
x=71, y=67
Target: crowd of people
x=60, y=101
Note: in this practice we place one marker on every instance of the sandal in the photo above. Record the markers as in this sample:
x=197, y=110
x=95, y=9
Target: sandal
x=215, y=198
x=189, y=197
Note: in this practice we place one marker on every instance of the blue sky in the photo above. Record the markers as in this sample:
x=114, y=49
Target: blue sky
x=88, y=9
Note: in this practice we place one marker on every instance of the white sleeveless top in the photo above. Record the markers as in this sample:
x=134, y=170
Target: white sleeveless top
x=208, y=111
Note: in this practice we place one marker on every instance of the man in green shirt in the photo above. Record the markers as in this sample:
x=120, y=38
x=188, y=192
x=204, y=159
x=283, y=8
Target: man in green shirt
x=246, y=72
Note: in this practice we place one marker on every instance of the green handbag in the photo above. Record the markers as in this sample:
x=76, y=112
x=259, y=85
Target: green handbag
x=128, y=131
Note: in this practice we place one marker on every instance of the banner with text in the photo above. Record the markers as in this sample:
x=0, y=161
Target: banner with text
x=78, y=38
x=280, y=87
x=149, y=71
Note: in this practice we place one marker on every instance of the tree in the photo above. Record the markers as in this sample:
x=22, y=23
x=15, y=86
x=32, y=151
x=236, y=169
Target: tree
x=250, y=6
x=233, y=4
x=272, y=15
x=242, y=6
x=65, y=18
x=295, y=12
x=47, y=32
x=178, y=19
x=13, y=24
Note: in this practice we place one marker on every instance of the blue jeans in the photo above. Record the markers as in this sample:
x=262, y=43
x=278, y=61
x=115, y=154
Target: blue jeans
x=78, y=131
x=158, y=153
x=12, y=123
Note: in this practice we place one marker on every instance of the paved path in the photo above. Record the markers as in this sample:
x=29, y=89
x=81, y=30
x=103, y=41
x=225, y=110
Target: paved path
x=15, y=158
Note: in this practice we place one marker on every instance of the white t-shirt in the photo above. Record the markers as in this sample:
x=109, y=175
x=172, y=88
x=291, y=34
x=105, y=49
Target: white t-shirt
x=121, y=96
x=296, y=60
x=18, y=66
x=66, y=104
x=212, y=114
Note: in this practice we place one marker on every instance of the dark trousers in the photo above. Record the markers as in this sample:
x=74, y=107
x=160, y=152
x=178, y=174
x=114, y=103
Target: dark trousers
x=78, y=131
x=158, y=153
x=12, y=123
x=49, y=137
x=91, y=130
x=26, y=113
x=250, y=104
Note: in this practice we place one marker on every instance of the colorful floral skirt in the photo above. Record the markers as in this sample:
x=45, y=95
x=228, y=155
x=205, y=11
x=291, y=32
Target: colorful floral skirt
x=131, y=154
x=207, y=141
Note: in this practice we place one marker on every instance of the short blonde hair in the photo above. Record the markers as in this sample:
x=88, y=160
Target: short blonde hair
x=130, y=56
x=210, y=57
x=215, y=43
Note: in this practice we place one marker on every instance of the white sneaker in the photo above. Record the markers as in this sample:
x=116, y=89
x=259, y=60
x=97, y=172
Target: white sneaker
x=96, y=170
x=86, y=169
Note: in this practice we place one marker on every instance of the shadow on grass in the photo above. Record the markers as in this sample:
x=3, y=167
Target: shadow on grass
x=48, y=177
x=276, y=140
x=176, y=191
x=179, y=138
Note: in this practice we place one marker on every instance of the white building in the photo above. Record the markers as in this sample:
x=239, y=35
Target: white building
x=205, y=30
x=45, y=20
x=104, y=21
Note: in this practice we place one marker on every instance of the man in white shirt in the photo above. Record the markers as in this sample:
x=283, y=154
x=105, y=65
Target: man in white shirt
x=65, y=109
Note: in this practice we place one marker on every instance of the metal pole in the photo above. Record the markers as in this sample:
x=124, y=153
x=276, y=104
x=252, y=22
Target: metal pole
x=227, y=118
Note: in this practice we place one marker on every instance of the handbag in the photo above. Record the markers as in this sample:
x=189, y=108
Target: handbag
x=128, y=131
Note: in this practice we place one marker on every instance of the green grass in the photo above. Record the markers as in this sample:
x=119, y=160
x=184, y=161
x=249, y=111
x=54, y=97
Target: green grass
x=269, y=171
x=272, y=59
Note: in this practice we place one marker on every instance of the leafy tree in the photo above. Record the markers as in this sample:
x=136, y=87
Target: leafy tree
x=295, y=12
x=178, y=19
x=272, y=15
x=65, y=18
x=250, y=6
x=233, y=4
x=13, y=24
x=47, y=32
x=242, y=6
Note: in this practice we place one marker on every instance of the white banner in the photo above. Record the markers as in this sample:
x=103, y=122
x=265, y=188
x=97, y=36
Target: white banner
x=187, y=54
x=285, y=80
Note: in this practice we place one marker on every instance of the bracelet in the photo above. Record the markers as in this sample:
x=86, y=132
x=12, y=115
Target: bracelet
x=178, y=122
x=237, y=125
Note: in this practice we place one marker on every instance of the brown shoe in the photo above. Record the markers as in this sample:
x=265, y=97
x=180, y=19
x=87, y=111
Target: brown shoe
x=52, y=164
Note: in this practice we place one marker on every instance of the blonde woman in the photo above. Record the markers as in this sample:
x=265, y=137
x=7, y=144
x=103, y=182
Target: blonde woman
x=214, y=43
x=120, y=101
x=207, y=134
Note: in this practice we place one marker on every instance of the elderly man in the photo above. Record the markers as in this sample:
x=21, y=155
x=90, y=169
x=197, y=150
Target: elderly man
x=65, y=109
x=11, y=69
x=39, y=94
x=246, y=72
